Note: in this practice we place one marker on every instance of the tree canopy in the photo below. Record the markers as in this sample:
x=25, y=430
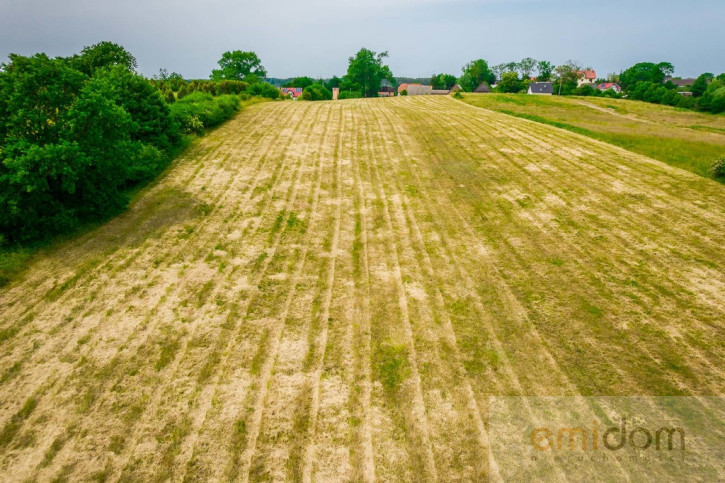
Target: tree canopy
x=367, y=70
x=239, y=65
x=474, y=73
x=71, y=142
x=443, y=81
x=646, y=72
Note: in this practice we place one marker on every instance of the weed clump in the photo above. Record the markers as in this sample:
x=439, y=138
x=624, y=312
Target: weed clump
x=718, y=168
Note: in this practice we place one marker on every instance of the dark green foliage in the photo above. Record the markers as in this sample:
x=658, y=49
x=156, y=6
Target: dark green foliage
x=239, y=65
x=316, y=92
x=102, y=55
x=263, y=89
x=200, y=110
x=353, y=94
x=474, y=73
x=366, y=71
x=302, y=82
x=645, y=72
x=713, y=99
x=510, y=82
x=71, y=143
x=443, y=81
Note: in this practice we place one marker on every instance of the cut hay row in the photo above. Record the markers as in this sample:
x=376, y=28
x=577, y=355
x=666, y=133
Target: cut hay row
x=333, y=290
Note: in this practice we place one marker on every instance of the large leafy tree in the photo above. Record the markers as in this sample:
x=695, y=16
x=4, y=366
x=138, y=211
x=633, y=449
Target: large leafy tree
x=239, y=65
x=302, y=82
x=510, y=82
x=527, y=66
x=70, y=142
x=565, y=82
x=367, y=70
x=443, y=81
x=546, y=69
x=474, y=73
x=645, y=72
x=101, y=55
x=700, y=85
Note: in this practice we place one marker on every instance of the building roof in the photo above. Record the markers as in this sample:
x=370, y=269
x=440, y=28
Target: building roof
x=295, y=92
x=587, y=74
x=682, y=82
x=608, y=85
x=541, y=88
x=483, y=87
x=404, y=87
x=386, y=89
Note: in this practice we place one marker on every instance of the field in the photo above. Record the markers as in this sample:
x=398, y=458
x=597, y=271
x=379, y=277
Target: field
x=682, y=138
x=332, y=291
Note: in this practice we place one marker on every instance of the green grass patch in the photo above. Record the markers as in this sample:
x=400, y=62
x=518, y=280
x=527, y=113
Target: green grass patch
x=392, y=365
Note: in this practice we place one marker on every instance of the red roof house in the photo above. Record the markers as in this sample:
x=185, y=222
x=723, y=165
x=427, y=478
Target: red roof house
x=586, y=77
x=293, y=92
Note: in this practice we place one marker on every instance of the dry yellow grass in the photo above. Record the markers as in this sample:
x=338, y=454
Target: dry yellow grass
x=332, y=290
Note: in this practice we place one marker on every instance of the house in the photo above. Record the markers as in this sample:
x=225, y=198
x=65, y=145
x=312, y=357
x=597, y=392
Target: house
x=609, y=85
x=386, y=91
x=456, y=88
x=404, y=87
x=419, y=90
x=541, y=88
x=681, y=82
x=439, y=92
x=585, y=77
x=293, y=92
x=482, y=89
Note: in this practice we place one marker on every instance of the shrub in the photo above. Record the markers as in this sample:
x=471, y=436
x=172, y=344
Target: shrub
x=718, y=168
x=349, y=95
x=201, y=110
x=316, y=92
x=264, y=89
x=458, y=95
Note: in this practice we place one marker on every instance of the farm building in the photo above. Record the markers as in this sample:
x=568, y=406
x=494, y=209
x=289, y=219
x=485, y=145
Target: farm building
x=609, y=85
x=404, y=87
x=293, y=92
x=681, y=82
x=386, y=91
x=419, y=90
x=482, y=89
x=541, y=88
x=585, y=77
x=456, y=88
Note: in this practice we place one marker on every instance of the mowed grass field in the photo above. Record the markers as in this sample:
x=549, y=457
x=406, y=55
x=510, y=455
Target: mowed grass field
x=332, y=291
x=683, y=138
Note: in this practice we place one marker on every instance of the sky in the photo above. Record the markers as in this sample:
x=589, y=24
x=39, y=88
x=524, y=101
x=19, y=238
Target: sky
x=423, y=37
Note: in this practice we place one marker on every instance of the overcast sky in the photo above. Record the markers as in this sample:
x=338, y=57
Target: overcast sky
x=316, y=37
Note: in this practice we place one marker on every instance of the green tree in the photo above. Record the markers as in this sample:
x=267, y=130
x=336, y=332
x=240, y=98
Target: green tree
x=566, y=79
x=239, y=65
x=443, y=81
x=527, y=66
x=546, y=69
x=302, y=82
x=316, y=92
x=510, y=82
x=475, y=73
x=645, y=72
x=103, y=54
x=700, y=85
x=366, y=70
